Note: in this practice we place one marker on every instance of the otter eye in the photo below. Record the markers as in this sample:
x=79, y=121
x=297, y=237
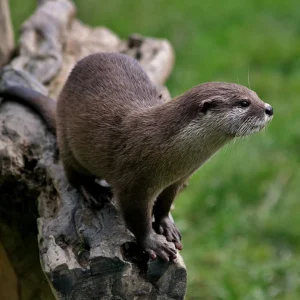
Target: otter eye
x=244, y=103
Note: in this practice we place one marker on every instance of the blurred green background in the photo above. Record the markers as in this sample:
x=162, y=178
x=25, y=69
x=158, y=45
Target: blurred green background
x=240, y=215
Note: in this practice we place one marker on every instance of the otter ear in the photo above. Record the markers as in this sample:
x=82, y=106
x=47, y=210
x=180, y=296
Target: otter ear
x=206, y=105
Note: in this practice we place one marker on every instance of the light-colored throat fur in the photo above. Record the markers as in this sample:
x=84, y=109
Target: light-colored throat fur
x=200, y=139
x=171, y=141
x=196, y=143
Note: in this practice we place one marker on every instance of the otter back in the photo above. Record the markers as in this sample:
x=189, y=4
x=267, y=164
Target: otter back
x=101, y=92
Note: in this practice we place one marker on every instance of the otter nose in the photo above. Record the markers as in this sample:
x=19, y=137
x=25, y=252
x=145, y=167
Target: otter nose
x=269, y=110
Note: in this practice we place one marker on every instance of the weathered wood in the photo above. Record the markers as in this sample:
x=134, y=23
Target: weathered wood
x=42, y=40
x=84, y=254
x=6, y=33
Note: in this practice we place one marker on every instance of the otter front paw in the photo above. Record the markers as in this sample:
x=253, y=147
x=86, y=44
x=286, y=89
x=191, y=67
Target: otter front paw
x=167, y=227
x=156, y=245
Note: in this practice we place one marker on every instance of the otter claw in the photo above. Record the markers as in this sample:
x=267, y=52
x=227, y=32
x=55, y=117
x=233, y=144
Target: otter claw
x=168, y=228
x=156, y=245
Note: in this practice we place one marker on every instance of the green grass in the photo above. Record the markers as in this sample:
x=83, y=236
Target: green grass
x=240, y=214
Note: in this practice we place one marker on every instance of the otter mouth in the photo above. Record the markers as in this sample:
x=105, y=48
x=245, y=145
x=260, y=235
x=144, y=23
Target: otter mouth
x=252, y=125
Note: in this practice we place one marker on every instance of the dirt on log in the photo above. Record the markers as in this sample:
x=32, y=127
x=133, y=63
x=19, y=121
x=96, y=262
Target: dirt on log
x=84, y=254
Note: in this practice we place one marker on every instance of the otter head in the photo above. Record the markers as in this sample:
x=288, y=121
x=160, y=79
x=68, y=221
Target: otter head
x=234, y=109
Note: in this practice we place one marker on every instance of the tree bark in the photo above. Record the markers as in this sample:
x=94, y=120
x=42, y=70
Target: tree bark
x=84, y=254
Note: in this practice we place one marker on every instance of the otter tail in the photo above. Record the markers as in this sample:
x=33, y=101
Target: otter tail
x=43, y=105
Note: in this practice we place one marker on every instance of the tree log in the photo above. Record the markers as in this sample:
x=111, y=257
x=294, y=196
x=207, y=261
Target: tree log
x=84, y=254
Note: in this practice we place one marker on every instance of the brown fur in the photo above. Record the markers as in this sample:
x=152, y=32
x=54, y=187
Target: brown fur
x=112, y=124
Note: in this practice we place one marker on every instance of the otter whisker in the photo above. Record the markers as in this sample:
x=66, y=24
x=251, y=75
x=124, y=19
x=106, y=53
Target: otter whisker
x=243, y=128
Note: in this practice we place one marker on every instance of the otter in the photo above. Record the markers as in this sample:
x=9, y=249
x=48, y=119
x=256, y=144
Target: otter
x=112, y=124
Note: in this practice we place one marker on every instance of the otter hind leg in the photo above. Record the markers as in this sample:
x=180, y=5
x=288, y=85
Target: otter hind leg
x=94, y=194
